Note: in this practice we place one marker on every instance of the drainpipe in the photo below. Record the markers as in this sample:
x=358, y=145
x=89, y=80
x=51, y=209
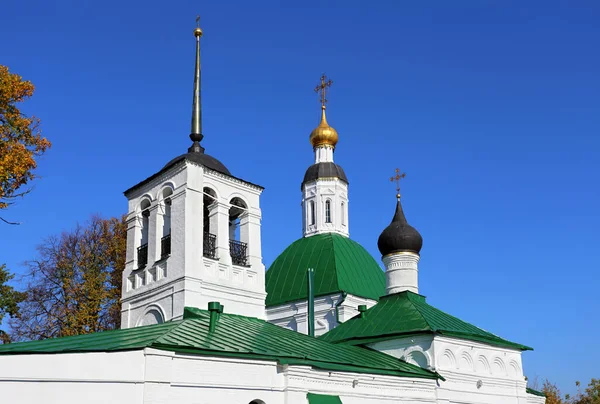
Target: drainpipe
x=310, y=275
x=215, y=309
x=337, y=307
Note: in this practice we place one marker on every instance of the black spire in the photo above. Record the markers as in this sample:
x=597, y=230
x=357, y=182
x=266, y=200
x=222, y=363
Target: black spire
x=196, y=132
x=399, y=236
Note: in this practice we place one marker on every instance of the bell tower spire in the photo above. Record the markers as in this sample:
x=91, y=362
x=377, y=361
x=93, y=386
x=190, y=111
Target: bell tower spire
x=196, y=132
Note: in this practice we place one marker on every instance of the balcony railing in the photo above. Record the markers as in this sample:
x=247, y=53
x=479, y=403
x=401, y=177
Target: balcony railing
x=238, y=252
x=210, y=245
x=142, y=255
x=165, y=246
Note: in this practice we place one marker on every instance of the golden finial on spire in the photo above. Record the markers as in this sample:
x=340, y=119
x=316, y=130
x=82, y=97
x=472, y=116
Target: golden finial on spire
x=198, y=31
x=396, y=178
x=323, y=135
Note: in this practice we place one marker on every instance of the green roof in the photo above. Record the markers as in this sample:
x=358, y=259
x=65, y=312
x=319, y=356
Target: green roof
x=234, y=336
x=322, y=399
x=535, y=392
x=407, y=313
x=340, y=264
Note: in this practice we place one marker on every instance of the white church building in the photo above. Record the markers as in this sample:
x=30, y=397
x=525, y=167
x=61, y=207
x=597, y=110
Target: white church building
x=203, y=322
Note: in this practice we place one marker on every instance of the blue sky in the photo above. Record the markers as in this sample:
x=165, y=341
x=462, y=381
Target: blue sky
x=491, y=108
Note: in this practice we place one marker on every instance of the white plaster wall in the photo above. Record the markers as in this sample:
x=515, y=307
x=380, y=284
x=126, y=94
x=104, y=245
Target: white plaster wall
x=116, y=377
x=294, y=315
x=319, y=191
x=152, y=376
x=186, y=277
x=475, y=372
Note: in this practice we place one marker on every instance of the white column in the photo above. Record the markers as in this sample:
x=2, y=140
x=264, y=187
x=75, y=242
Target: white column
x=153, y=236
x=401, y=272
x=323, y=154
x=222, y=216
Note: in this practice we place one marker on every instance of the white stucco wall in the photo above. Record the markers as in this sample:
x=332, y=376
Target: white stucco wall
x=294, y=315
x=151, y=376
x=475, y=372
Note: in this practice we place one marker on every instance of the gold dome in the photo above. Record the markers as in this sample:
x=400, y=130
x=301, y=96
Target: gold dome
x=323, y=134
x=198, y=32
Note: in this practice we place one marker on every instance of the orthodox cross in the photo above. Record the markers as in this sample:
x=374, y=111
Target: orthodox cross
x=322, y=88
x=396, y=178
x=198, y=21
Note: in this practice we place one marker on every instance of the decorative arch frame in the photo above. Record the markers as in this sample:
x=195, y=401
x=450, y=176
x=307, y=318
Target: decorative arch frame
x=163, y=187
x=450, y=356
x=152, y=307
x=481, y=359
x=468, y=359
x=412, y=352
x=500, y=363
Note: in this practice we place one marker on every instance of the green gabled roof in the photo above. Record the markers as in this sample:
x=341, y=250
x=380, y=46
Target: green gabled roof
x=407, y=313
x=340, y=264
x=234, y=336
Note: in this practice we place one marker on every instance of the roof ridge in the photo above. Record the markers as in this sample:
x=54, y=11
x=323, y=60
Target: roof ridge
x=418, y=309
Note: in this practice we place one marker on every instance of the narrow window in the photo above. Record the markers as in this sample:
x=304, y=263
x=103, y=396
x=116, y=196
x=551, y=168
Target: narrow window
x=311, y=212
x=327, y=211
x=343, y=214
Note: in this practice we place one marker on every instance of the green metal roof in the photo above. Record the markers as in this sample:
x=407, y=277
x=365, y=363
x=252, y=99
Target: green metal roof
x=535, y=392
x=234, y=336
x=322, y=399
x=340, y=264
x=407, y=313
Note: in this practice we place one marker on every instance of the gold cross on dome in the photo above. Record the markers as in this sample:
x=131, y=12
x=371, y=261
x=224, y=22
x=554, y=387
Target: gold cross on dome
x=322, y=88
x=396, y=178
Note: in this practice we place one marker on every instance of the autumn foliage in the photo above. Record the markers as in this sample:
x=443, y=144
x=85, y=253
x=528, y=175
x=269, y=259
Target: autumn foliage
x=74, y=285
x=21, y=141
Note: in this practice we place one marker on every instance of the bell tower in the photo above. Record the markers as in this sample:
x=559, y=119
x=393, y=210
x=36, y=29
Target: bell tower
x=193, y=236
x=325, y=186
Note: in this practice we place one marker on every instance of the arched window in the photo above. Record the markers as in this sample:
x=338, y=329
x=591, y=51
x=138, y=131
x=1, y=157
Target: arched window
x=328, y=211
x=165, y=241
x=238, y=245
x=343, y=214
x=312, y=213
x=142, y=251
x=210, y=229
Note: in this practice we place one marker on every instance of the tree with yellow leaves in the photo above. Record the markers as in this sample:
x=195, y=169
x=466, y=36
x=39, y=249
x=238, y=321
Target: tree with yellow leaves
x=21, y=141
x=74, y=285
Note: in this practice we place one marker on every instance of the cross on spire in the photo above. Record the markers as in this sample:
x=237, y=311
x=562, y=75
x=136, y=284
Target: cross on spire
x=322, y=89
x=396, y=178
x=198, y=21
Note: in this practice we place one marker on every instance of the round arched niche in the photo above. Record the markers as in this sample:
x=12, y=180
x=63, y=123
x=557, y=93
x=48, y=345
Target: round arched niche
x=151, y=317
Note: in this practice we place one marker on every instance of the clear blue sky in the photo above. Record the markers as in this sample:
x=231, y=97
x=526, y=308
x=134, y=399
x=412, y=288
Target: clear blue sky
x=491, y=107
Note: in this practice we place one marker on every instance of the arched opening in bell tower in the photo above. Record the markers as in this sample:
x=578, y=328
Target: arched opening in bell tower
x=210, y=203
x=238, y=231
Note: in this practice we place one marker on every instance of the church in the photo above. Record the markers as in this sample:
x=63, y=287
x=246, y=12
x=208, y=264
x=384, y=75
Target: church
x=203, y=321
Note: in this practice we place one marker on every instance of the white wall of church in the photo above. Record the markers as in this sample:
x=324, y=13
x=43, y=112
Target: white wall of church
x=328, y=310
x=187, y=276
x=152, y=376
x=475, y=372
x=116, y=377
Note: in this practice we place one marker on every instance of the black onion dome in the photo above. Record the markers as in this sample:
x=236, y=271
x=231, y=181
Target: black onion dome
x=202, y=159
x=324, y=170
x=399, y=235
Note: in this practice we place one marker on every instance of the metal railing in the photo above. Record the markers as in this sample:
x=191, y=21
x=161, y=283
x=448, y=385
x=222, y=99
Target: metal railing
x=238, y=251
x=142, y=255
x=165, y=246
x=210, y=245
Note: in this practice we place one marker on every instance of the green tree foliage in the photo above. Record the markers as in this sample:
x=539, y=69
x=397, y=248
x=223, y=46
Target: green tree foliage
x=74, y=285
x=9, y=300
